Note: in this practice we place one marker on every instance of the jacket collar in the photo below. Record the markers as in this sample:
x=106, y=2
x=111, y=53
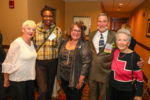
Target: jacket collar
x=109, y=39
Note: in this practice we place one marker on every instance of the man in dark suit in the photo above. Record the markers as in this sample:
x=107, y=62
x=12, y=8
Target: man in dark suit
x=102, y=52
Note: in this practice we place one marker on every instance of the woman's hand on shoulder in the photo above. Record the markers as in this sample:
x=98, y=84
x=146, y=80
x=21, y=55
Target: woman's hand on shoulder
x=140, y=63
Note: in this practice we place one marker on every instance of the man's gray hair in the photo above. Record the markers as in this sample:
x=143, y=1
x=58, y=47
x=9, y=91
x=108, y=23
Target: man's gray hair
x=103, y=14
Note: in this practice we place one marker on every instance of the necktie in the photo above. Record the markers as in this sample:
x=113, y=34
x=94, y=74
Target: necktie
x=101, y=42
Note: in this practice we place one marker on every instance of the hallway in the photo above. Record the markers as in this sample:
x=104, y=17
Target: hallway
x=134, y=12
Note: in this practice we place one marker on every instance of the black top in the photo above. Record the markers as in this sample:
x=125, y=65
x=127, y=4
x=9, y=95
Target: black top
x=2, y=57
x=124, y=82
x=66, y=59
x=2, y=52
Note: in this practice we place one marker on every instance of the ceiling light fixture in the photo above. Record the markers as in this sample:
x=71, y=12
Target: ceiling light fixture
x=121, y=4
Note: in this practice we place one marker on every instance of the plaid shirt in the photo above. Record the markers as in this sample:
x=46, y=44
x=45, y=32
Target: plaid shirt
x=49, y=50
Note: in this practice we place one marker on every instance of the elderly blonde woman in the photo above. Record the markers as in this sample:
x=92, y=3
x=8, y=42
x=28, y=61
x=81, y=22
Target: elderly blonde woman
x=125, y=70
x=19, y=65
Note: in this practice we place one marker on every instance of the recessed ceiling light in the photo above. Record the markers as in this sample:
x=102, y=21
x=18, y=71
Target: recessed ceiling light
x=120, y=4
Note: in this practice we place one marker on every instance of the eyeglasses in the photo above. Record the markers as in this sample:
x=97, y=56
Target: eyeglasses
x=47, y=16
x=76, y=30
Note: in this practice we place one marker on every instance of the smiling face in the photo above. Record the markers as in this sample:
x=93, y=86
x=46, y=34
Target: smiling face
x=75, y=33
x=29, y=31
x=47, y=18
x=122, y=42
x=102, y=23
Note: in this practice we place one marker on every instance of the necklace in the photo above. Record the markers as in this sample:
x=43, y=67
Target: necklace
x=68, y=58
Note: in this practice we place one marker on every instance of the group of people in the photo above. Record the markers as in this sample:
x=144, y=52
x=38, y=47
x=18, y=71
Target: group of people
x=105, y=61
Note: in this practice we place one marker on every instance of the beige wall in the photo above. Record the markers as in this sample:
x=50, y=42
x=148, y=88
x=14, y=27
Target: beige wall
x=11, y=19
x=82, y=9
x=139, y=25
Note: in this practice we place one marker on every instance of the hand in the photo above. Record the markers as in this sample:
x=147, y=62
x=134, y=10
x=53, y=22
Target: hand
x=81, y=80
x=140, y=63
x=6, y=83
x=79, y=85
x=137, y=98
x=6, y=80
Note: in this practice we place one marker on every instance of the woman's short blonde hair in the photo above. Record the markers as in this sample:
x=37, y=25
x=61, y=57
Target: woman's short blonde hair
x=29, y=22
x=103, y=14
x=124, y=31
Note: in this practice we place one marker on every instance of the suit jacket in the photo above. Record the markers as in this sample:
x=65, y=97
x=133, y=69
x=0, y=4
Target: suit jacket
x=101, y=63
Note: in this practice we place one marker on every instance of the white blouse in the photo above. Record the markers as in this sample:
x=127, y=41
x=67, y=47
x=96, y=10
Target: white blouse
x=20, y=61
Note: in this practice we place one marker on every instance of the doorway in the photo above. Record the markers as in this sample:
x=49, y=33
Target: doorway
x=115, y=23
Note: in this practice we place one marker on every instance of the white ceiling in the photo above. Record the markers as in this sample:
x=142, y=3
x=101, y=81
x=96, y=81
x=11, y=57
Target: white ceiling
x=78, y=0
x=113, y=5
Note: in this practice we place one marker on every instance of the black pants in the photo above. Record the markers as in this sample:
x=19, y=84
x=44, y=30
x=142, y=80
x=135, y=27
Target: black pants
x=22, y=90
x=71, y=93
x=121, y=95
x=46, y=71
x=4, y=92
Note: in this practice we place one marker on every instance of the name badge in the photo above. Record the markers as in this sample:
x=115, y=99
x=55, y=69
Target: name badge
x=149, y=60
x=108, y=48
x=52, y=36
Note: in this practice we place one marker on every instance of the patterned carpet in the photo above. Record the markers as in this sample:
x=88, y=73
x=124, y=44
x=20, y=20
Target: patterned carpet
x=61, y=95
